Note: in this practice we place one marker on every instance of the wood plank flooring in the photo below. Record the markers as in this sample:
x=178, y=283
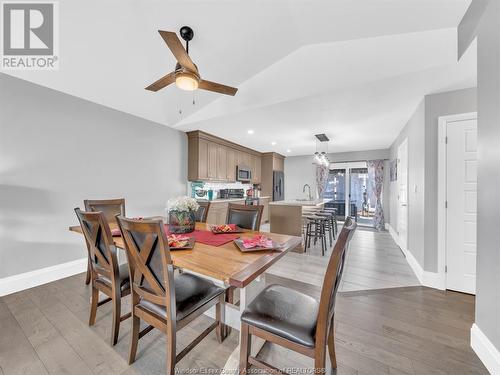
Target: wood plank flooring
x=391, y=330
x=374, y=261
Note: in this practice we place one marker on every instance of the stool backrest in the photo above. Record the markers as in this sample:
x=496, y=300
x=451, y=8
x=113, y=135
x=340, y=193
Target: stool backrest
x=202, y=212
x=245, y=216
x=100, y=245
x=109, y=207
x=150, y=263
x=332, y=279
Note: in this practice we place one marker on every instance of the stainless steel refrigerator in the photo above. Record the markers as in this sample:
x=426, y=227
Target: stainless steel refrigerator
x=278, y=185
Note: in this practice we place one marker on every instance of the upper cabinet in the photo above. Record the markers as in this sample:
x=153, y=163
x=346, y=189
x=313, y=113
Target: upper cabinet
x=214, y=159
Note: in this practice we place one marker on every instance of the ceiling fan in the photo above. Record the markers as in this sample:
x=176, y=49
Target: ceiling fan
x=186, y=75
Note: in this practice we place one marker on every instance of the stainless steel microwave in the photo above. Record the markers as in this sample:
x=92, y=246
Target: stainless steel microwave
x=243, y=174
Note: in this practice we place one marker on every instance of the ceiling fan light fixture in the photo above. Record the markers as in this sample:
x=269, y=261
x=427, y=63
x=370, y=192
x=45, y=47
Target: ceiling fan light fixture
x=186, y=81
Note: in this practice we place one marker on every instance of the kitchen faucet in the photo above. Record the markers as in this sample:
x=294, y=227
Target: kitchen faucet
x=304, y=190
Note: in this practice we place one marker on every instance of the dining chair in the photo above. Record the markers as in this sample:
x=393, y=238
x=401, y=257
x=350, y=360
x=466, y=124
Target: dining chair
x=107, y=276
x=110, y=208
x=202, y=212
x=164, y=299
x=295, y=320
x=244, y=216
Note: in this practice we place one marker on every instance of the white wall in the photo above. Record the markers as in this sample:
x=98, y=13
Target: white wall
x=55, y=151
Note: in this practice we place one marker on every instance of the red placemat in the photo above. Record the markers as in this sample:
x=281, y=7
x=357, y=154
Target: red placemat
x=201, y=236
x=208, y=238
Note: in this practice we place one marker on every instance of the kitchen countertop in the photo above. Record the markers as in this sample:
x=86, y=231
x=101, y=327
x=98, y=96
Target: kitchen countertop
x=298, y=202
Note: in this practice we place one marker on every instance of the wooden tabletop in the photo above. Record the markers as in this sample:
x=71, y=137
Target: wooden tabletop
x=226, y=262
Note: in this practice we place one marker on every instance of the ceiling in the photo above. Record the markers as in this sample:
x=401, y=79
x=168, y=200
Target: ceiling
x=355, y=70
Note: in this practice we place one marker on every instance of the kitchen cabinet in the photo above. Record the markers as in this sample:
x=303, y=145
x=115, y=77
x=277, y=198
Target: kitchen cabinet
x=213, y=153
x=255, y=166
x=215, y=159
x=231, y=164
x=271, y=161
x=203, y=155
x=222, y=163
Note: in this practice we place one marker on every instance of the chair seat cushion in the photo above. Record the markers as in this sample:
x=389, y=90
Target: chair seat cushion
x=285, y=313
x=191, y=293
x=123, y=278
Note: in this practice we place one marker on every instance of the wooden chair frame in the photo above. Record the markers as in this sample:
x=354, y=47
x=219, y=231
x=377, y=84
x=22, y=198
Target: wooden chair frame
x=205, y=214
x=92, y=205
x=249, y=208
x=325, y=324
x=156, y=293
x=105, y=265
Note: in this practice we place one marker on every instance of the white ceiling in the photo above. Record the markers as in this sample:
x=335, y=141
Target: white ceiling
x=354, y=70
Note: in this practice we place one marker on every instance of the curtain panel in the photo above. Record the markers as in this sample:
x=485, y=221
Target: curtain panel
x=376, y=178
x=321, y=179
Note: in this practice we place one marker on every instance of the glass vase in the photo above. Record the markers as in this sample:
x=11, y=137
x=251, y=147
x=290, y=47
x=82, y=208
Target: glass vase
x=181, y=221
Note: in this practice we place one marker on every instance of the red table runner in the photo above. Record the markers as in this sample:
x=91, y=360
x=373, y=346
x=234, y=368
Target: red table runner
x=202, y=236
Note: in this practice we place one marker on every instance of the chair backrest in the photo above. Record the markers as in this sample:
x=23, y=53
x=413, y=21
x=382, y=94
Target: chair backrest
x=202, y=212
x=245, y=216
x=333, y=277
x=109, y=207
x=100, y=243
x=150, y=263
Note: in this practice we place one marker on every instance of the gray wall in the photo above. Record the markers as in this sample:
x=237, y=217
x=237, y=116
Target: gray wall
x=55, y=151
x=467, y=29
x=448, y=103
x=488, y=254
x=422, y=133
x=414, y=130
x=299, y=170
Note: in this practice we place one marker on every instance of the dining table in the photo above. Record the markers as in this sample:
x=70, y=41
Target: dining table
x=241, y=273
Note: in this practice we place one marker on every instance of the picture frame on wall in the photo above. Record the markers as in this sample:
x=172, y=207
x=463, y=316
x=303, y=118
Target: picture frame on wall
x=393, y=170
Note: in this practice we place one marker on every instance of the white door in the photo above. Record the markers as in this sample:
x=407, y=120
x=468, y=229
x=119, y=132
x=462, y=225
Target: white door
x=403, y=194
x=461, y=211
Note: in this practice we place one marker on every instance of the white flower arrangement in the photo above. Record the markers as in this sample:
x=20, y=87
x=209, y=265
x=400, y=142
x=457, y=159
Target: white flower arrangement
x=183, y=204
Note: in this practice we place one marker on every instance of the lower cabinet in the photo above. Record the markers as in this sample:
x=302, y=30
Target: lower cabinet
x=265, y=212
x=217, y=213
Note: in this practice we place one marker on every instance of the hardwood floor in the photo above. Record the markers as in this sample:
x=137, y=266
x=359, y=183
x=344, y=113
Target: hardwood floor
x=391, y=331
x=374, y=261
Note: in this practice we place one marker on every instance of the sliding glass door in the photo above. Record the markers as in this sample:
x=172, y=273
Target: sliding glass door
x=351, y=191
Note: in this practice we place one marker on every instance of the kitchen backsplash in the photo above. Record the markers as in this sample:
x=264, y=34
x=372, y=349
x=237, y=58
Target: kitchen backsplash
x=216, y=186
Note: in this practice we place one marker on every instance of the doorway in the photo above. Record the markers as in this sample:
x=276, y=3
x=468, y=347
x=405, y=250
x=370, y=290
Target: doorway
x=351, y=192
x=402, y=166
x=457, y=197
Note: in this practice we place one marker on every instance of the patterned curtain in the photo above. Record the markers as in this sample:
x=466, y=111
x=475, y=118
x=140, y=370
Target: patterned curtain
x=376, y=177
x=321, y=179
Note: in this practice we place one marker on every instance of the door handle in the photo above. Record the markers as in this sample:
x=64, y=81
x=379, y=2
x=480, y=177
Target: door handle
x=403, y=204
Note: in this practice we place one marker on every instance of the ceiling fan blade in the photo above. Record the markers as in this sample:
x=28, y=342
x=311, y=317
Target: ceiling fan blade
x=162, y=82
x=178, y=50
x=217, y=87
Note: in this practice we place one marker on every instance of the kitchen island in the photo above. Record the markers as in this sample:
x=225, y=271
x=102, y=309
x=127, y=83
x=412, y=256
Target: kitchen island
x=286, y=216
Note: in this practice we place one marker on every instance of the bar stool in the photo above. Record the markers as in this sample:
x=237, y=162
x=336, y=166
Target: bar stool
x=316, y=230
x=334, y=217
x=329, y=226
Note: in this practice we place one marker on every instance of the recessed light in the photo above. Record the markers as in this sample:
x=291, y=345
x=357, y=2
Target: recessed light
x=250, y=131
x=273, y=143
x=288, y=150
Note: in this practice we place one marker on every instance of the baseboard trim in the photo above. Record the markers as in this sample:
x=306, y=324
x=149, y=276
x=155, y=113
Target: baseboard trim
x=485, y=350
x=41, y=276
x=426, y=278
